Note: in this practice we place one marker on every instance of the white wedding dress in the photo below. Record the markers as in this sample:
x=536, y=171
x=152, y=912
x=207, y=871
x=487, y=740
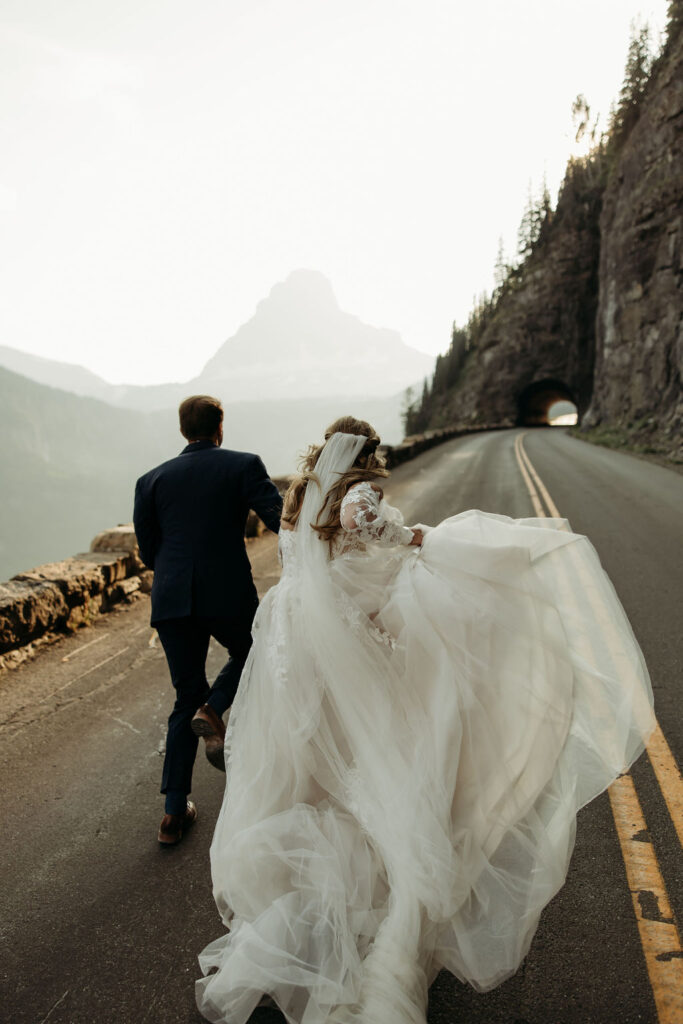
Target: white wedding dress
x=414, y=733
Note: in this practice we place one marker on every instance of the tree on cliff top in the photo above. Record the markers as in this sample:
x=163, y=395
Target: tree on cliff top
x=536, y=216
x=636, y=77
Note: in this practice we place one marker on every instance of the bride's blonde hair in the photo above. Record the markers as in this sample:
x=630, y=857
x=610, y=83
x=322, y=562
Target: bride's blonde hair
x=369, y=465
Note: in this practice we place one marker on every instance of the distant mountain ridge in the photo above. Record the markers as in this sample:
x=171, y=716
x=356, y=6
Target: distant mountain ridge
x=54, y=374
x=297, y=344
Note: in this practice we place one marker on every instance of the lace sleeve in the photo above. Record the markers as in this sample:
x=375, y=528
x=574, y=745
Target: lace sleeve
x=285, y=545
x=362, y=515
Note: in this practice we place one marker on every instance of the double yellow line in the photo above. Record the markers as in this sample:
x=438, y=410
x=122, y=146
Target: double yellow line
x=659, y=935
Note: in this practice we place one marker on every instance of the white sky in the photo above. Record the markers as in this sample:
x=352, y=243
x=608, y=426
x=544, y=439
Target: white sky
x=164, y=163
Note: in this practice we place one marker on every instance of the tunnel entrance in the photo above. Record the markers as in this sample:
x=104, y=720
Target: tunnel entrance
x=536, y=401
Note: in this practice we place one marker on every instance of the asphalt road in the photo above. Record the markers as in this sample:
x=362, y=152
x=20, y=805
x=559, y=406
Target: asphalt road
x=101, y=926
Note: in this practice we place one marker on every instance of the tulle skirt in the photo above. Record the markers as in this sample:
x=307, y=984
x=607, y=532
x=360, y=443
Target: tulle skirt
x=406, y=756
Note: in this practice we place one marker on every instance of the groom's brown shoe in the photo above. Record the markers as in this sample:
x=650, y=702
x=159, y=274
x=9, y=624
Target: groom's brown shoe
x=207, y=724
x=173, y=826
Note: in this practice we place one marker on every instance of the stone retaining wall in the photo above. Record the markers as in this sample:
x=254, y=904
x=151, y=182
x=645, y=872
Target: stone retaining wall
x=59, y=597
x=39, y=606
x=418, y=443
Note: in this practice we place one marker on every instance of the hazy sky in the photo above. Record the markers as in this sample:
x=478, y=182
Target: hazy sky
x=165, y=163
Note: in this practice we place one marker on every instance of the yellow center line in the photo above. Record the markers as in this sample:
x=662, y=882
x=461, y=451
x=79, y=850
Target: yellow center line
x=535, y=500
x=668, y=776
x=656, y=923
x=657, y=929
x=552, y=507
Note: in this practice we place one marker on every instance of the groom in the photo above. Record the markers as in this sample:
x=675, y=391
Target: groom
x=189, y=517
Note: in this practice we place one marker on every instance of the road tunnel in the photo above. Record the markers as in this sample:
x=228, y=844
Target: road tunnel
x=535, y=402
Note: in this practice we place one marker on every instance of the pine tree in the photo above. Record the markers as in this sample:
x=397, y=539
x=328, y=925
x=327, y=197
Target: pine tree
x=636, y=76
x=581, y=115
x=501, y=268
x=456, y=355
x=536, y=213
x=638, y=65
x=408, y=411
x=525, y=231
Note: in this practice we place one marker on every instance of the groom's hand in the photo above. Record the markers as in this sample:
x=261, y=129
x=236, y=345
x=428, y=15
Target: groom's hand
x=418, y=537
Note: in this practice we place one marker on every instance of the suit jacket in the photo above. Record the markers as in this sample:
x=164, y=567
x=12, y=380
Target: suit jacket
x=190, y=515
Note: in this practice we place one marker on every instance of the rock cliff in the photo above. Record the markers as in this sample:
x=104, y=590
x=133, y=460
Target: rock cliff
x=639, y=335
x=593, y=315
x=535, y=345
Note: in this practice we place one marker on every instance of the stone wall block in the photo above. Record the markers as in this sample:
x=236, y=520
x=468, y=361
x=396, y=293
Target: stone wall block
x=146, y=580
x=28, y=609
x=62, y=596
x=85, y=613
x=118, y=540
x=120, y=591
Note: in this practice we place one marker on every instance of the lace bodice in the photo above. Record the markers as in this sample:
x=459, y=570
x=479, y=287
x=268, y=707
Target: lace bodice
x=365, y=519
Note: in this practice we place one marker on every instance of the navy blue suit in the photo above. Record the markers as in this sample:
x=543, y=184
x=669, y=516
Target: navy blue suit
x=190, y=514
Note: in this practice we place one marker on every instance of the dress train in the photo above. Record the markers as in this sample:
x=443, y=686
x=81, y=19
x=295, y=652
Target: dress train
x=406, y=756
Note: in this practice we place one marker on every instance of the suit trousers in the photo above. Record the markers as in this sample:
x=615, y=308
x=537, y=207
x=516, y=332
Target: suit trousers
x=186, y=644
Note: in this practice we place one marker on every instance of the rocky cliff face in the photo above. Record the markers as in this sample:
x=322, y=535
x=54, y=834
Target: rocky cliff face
x=639, y=334
x=537, y=344
x=594, y=314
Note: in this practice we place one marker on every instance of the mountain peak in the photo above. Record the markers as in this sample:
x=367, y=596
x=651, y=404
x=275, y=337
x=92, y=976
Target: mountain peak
x=300, y=343
x=302, y=287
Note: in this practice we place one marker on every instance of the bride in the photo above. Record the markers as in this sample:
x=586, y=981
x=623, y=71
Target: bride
x=421, y=716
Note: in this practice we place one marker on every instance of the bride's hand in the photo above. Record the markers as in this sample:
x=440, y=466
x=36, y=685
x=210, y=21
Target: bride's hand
x=420, y=531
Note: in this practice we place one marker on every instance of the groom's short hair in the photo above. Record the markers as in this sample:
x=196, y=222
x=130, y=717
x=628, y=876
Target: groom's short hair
x=200, y=417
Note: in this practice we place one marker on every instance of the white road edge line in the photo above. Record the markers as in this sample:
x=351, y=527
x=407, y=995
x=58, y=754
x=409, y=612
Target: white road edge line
x=83, y=674
x=83, y=647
